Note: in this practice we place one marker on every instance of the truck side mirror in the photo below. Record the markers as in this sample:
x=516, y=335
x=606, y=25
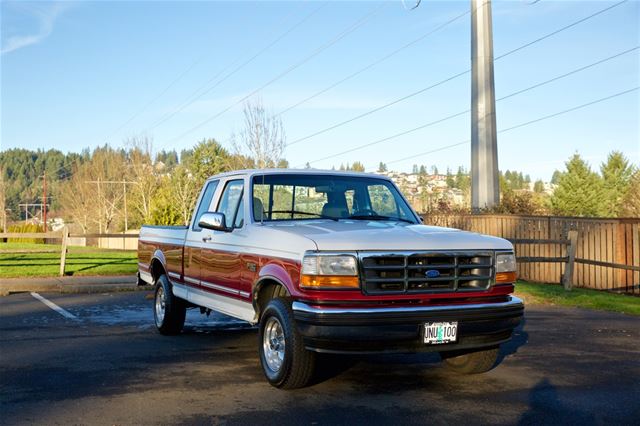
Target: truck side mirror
x=215, y=221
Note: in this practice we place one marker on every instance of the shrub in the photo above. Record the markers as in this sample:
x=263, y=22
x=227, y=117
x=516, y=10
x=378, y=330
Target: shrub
x=26, y=228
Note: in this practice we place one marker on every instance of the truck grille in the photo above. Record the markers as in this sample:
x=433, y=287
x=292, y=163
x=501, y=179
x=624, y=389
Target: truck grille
x=426, y=272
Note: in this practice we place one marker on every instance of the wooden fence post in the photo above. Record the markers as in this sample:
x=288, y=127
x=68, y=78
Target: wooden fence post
x=567, y=278
x=63, y=253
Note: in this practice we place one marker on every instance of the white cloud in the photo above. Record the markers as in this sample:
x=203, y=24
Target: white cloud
x=45, y=21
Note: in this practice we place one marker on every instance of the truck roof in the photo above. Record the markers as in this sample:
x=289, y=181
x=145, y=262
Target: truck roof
x=251, y=172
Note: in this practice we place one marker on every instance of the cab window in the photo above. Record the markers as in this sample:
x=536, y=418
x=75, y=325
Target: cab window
x=205, y=203
x=231, y=203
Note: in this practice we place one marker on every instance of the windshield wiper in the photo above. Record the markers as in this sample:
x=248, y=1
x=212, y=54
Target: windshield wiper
x=379, y=217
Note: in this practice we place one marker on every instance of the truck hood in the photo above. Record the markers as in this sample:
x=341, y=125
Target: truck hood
x=360, y=235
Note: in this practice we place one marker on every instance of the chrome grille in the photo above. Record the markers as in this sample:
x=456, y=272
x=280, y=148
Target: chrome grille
x=426, y=272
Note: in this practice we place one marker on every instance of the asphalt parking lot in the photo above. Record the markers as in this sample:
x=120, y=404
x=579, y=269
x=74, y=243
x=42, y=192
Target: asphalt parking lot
x=104, y=363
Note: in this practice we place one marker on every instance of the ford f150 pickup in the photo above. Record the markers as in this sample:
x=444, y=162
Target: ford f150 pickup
x=331, y=262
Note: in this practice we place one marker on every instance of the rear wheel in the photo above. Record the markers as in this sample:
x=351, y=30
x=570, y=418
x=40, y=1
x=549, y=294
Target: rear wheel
x=169, y=312
x=285, y=361
x=471, y=362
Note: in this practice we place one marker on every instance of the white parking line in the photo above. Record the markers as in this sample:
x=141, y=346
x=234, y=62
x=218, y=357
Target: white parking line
x=55, y=307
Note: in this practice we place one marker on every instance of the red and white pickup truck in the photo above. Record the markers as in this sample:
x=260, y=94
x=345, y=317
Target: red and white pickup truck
x=331, y=262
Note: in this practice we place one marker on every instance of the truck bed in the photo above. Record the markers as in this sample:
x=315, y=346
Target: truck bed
x=167, y=239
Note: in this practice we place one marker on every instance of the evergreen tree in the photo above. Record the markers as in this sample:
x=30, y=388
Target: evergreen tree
x=538, y=187
x=356, y=167
x=631, y=200
x=382, y=167
x=450, y=180
x=579, y=192
x=616, y=176
x=556, y=177
x=463, y=181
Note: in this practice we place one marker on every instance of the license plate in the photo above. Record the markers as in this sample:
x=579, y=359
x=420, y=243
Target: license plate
x=437, y=333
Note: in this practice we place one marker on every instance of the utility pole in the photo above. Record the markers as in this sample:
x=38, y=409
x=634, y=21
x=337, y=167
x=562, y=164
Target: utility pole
x=484, y=142
x=124, y=191
x=44, y=200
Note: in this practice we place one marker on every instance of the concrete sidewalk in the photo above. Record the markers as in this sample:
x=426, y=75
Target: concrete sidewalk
x=88, y=284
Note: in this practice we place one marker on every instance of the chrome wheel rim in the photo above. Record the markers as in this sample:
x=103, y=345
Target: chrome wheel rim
x=160, y=306
x=273, y=344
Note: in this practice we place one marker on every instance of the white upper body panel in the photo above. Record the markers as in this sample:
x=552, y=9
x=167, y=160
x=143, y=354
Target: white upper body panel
x=360, y=235
x=291, y=239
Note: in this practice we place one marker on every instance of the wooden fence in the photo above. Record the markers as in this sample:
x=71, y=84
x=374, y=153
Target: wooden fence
x=64, y=237
x=607, y=252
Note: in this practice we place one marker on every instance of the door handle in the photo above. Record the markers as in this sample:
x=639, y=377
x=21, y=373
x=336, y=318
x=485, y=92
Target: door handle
x=206, y=239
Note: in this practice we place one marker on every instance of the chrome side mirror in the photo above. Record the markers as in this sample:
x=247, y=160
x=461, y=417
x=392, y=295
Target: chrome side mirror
x=215, y=221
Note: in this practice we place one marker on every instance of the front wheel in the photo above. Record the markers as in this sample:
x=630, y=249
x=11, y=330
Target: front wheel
x=471, y=362
x=285, y=361
x=169, y=312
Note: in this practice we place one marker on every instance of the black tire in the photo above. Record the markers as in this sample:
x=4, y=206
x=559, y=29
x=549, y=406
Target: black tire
x=169, y=316
x=297, y=364
x=475, y=362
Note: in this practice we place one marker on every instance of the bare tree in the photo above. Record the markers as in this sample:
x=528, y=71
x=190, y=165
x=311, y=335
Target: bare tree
x=93, y=198
x=143, y=175
x=262, y=138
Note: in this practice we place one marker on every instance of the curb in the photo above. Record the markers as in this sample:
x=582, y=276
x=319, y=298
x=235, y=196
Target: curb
x=88, y=284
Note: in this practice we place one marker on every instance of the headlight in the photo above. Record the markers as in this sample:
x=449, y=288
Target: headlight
x=505, y=268
x=323, y=271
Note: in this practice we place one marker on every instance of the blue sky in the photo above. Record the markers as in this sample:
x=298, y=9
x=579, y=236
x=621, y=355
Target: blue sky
x=73, y=73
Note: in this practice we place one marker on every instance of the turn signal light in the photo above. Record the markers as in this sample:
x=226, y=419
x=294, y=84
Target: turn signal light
x=319, y=282
x=505, y=277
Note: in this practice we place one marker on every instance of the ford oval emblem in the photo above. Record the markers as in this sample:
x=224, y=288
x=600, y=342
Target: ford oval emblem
x=432, y=273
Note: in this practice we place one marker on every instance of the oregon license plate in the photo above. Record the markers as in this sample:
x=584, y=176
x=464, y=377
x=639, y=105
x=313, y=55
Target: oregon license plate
x=436, y=333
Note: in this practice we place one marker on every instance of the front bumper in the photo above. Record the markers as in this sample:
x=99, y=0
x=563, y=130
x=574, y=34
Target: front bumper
x=399, y=329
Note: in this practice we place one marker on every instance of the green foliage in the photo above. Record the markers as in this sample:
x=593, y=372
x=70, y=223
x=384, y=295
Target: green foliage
x=462, y=180
x=282, y=164
x=209, y=158
x=631, y=200
x=512, y=180
x=25, y=228
x=382, y=167
x=22, y=171
x=450, y=179
x=521, y=202
x=165, y=211
x=538, y=187
x=580, y=191
x=168, y=158
x=616, y=178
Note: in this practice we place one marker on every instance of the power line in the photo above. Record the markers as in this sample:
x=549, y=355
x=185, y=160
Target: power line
x=559, y=30
x=425, y=89
x=360, y=22
x=376, y=62
x=517, y=126
x=195, y=96
x=152, y=101
x=518, y=92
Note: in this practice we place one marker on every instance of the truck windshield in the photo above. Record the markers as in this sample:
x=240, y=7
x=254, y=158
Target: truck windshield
x=281, y=197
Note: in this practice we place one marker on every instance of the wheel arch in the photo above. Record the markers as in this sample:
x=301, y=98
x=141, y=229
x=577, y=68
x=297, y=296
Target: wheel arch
x=266, y=288
x=157, y=266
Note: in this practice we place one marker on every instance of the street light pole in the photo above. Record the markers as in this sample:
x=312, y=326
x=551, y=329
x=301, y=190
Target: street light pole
x=484, y=142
